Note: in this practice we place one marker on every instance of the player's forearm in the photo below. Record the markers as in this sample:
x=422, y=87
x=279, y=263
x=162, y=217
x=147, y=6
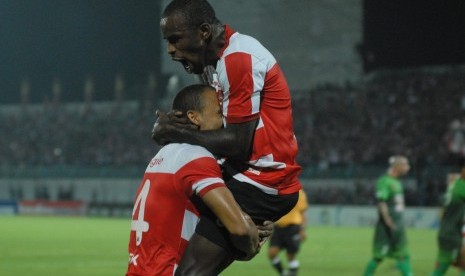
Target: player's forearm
x=304, y=220
x=218, y=142
x=223, y=142
x=246, y=241
x=385, y=214
x=242, y=230
x=303, y=225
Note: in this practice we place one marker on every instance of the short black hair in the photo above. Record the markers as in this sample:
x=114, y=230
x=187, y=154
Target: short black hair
x=461, y=162
x=190, y=98
x=193, y=12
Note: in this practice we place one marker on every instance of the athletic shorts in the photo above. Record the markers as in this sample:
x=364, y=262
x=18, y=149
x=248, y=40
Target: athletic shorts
x=449, y=248
x=287, y=237
x=389, y=243
x=258, y=205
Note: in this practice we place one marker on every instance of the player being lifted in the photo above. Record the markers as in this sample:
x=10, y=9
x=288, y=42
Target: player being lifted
x=450, y=231
x=258, y=139
x=390, y=239
x=163, y=219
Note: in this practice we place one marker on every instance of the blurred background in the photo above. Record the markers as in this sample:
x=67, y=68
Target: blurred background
x=80, y=81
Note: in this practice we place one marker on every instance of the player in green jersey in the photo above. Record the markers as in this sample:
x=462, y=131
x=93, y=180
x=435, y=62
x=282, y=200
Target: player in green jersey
x=390, y=239
x=450, y=230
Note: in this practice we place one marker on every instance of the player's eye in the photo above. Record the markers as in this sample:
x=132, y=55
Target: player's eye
x=173, y=39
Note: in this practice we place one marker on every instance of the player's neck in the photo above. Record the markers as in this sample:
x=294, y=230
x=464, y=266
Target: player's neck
x=392, y=173
x=216, y=45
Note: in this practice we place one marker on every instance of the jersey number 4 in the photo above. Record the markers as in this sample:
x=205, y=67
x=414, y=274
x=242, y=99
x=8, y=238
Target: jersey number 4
x=139, y=225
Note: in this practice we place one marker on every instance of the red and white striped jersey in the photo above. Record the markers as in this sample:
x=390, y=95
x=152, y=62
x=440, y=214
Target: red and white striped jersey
x=163, y=218
x=252, y=86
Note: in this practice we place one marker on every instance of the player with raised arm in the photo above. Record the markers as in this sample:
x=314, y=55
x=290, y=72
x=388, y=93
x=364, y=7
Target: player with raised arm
x=450, y=236
x=258, y=139
x=390, y=239
x=163, y=218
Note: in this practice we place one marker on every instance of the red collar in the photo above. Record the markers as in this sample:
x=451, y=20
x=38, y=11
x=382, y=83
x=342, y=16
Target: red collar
x=228, y=32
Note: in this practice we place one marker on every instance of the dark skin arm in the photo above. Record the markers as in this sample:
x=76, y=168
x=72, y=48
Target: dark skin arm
x=171, y=127
x=243, y=232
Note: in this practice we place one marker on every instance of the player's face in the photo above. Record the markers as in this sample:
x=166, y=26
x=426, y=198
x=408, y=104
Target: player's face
x=186, y=44
x=211, y=116
x=404, y=167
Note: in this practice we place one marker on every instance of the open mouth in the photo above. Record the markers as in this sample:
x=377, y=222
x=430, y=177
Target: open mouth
x=187, y=66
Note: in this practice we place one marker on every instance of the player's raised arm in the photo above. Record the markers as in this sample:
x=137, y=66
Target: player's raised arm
x=235, y=141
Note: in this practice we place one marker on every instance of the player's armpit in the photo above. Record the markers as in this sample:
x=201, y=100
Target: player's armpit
x=244, y=233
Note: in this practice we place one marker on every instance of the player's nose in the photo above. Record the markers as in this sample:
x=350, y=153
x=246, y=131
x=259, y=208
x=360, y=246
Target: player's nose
x=171, y=50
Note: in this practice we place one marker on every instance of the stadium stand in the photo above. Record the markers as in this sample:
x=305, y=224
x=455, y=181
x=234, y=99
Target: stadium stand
x=343, y=132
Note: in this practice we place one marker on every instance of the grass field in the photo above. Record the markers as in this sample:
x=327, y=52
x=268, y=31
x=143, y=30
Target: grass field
x=52, y=246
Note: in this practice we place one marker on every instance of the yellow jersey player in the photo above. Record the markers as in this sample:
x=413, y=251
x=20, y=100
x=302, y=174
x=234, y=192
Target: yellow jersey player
x=288, y=233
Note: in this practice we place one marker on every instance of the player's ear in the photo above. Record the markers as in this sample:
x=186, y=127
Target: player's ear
x=205, y=31
x=194, y=117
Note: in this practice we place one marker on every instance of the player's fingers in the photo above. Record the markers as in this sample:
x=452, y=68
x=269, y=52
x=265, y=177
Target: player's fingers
x=159, y=113
x=178, y=119
x=265, y=229
x=264, y=234
x=262, y=242
x=266, y=226
x=175, y=113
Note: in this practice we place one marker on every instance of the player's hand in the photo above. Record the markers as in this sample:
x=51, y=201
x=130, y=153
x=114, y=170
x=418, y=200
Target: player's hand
x=392, y=227
x=168, y=124
x=265, y=230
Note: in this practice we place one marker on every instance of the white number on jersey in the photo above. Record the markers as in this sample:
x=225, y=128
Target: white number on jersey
x=139, y=225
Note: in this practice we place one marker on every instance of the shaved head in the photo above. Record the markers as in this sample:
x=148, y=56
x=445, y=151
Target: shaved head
x=193, y=12
x=398, y=165
x=398, y=160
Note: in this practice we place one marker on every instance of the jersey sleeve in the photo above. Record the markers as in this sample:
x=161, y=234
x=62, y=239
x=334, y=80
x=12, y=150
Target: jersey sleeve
x=246, y=77
x=382, y=190
x=199, y=176
x=460, y=184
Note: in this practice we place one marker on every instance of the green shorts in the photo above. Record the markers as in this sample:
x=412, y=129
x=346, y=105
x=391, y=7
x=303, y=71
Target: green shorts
x=387, y=243
x=449, y=247
x=447, y=256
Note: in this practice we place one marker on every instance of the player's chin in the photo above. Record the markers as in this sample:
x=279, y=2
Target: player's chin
x=197, y=70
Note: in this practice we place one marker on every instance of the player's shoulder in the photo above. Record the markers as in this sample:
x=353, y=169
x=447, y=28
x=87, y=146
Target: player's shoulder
x=459, y=181
x=174, y=156
x=241, y=43
x=186, y=152
x=382, y=180
x=459, y=185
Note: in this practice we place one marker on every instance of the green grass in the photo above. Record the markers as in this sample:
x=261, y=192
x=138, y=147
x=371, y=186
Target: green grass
x=98, y=246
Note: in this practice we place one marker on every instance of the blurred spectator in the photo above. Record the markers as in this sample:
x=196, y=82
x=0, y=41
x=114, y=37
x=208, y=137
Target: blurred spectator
x=394, y=112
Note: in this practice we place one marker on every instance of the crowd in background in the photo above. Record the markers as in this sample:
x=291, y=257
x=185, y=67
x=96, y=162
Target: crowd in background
x=57, y=136
x=407, y=113
x=416, y=113
x=361, y=192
